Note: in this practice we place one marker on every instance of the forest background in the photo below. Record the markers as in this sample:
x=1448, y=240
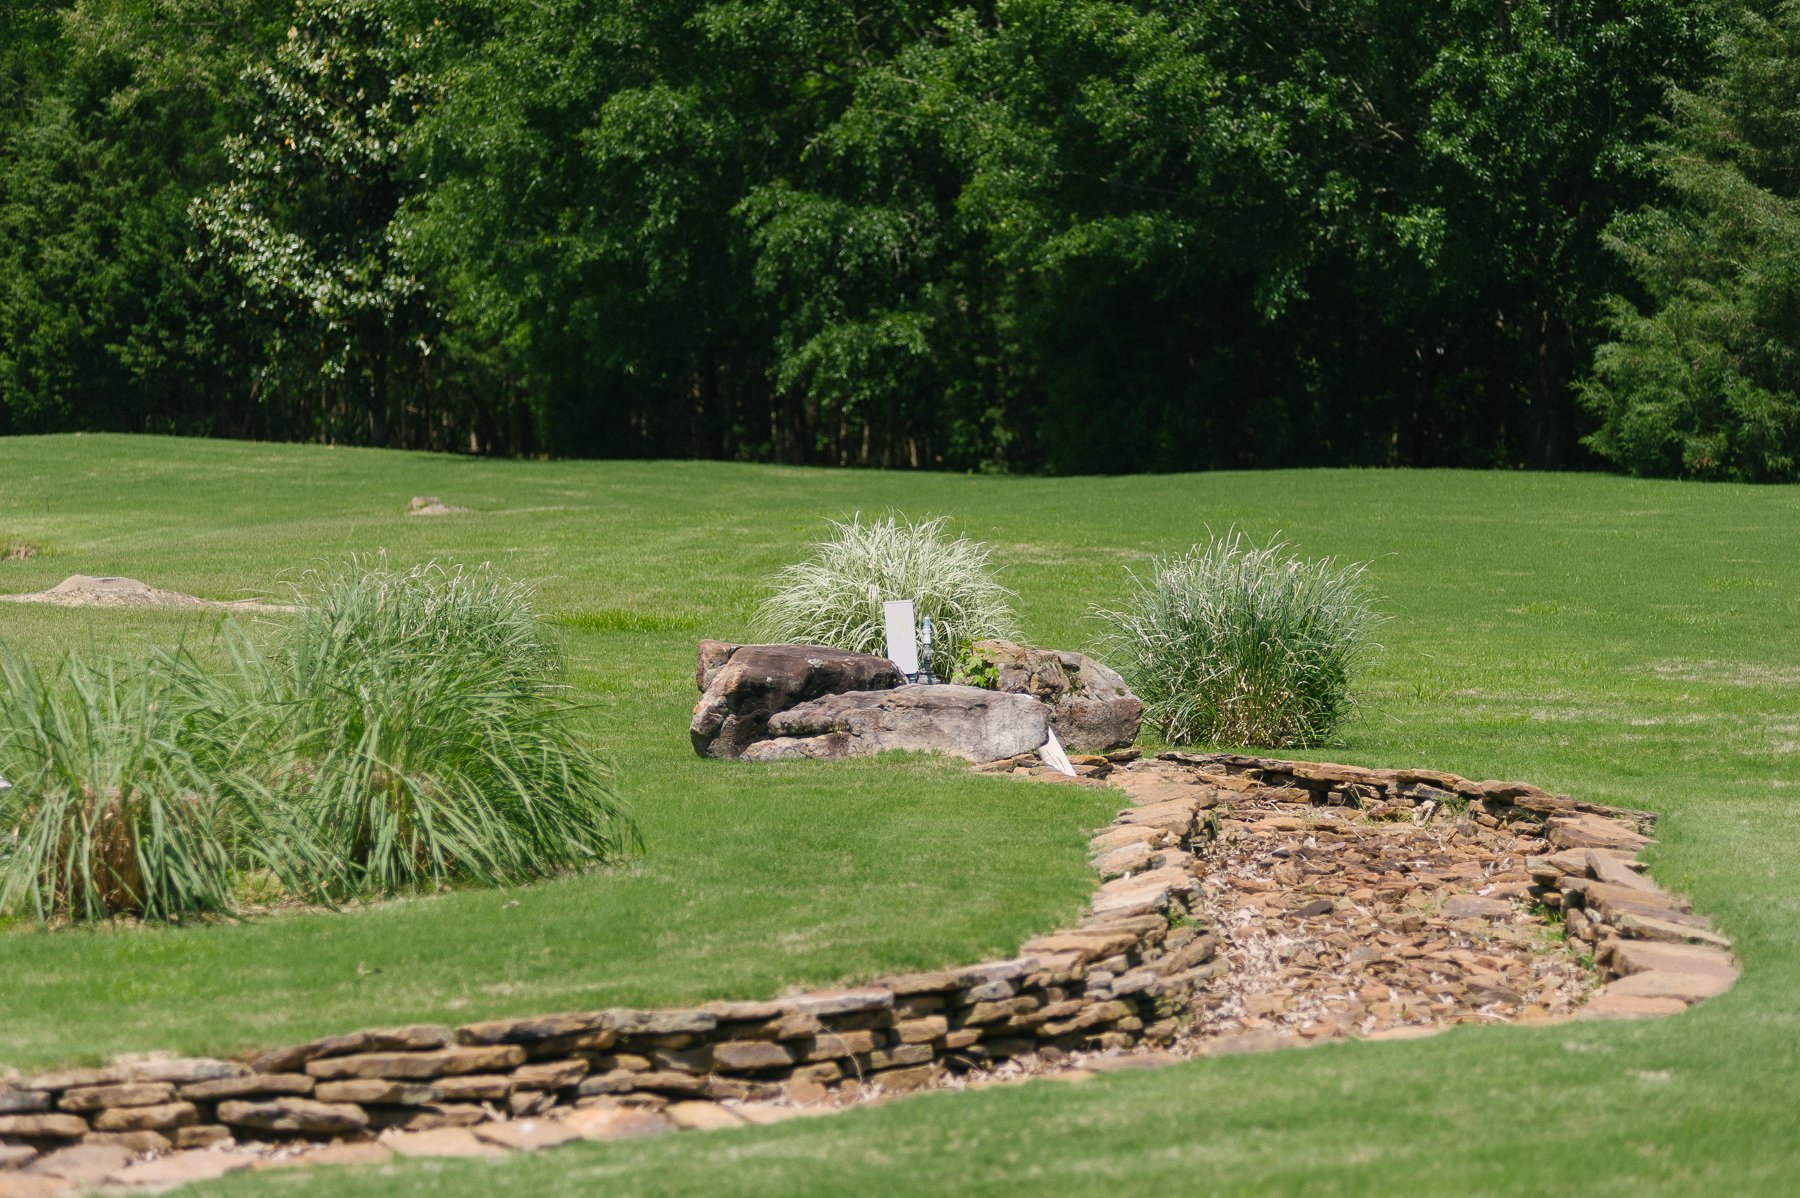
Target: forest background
x=1032, y=236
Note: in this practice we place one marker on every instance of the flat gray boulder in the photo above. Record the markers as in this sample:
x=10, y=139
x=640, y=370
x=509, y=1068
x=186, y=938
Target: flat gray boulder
x=1091, y=708
x=744, y=685
x=964, y=721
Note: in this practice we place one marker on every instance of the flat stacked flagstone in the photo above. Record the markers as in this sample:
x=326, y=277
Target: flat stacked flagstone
x=1242, y=903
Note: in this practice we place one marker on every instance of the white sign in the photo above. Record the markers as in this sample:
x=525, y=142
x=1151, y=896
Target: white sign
x=1054, y=757
x=902, y=637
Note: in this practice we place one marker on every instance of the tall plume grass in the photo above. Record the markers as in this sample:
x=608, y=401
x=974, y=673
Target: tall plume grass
x=835, y=596
x=410, y=730
x=1233, y=644
x=109, y=812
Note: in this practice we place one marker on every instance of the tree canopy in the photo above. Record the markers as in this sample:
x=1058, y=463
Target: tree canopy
x=1024, y=235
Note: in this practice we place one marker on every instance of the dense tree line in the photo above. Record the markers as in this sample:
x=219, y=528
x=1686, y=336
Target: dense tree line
x=1065, y=235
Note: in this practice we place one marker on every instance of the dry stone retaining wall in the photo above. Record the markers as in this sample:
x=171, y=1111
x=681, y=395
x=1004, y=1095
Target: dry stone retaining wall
x=1127, y=975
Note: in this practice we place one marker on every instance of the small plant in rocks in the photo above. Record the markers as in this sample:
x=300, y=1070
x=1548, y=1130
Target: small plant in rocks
x=835, y=596
x=1229, y=643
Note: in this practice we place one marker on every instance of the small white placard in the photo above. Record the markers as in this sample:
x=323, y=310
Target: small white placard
x=1054, y=757
x=902, y=637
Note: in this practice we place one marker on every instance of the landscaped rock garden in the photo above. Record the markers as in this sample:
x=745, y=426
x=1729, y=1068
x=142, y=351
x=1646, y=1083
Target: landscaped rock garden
x=778, y=702
x=1244, y=903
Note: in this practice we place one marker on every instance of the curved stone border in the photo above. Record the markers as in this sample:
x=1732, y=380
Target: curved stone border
x=1655, y=955
x=1124, y=977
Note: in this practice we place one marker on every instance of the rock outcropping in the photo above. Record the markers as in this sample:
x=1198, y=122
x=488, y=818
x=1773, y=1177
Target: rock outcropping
x=744, y=685
x=1091, y=708
x=964, y=721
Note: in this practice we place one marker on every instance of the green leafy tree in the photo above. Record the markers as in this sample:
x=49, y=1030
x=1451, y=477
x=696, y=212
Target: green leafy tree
x=1702, y=376
x=304, y=226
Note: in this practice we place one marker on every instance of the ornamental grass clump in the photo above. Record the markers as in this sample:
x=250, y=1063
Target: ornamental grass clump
x=108, y=812
x=417, y=722
x=1233, y=644
x=835, y=596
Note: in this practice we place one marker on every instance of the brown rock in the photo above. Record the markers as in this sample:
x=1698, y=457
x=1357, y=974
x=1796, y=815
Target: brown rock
x=419, y=1066
x=750, y=684
x=300, y=1115
x=549, y=1075
x=43, y=1127
x=249, y=1085
x=750, y=1055
x=421, y=1038
x=365, y=1153
x=25, y=1185
x=1689, y=987
x=1587, y=831
x=162, y=1117
x=675, y=1022
x=1644, y=927
x=14, y=1156
x=429, y=1117
x=377, y=1090
x=69, y=1079
x=1608, y=1005
x=617, y=1123
x=474, y=1087
x=21, y=1102
x=179, y=1071
x=132, y=1141
x=527, y=1031
x=443, y=1141
x=962, y=721
x=94, y=1098
x=202, y=1135
x=1090, y=705
x=184, y=1168
x=1469, y=906
x=897, y=1081
x=920, y=1031
x=527, y=1135
x=701, y=1116
x=84, y=1164
x=1642, y=956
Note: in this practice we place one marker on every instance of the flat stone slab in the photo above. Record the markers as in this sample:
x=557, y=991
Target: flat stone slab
x=441, y=1141
x=963, y=721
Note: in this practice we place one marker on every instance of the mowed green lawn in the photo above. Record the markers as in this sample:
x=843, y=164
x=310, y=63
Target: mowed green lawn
x=1629, y=642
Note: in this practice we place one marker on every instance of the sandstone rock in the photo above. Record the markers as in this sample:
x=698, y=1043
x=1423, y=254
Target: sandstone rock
x=376, y=1090
x=22, y=1102
x=43, y=1127
x=1645, y=927
x=1090, y=706
x=1469, y=906
x=444, y=1141
x=132, y=1141
x=364, y=1153
x=841, y=1002
x=754, y=682
x=1642, y=956
x=617, y=1123
x=418, y=1066
x=13, y=1156
x=68, y=1079
x=1587, y=831
x=1609, y=1005
x=549, y=1075
x=474, y=1087
x=963, y=721
x=250, y=1084
x=179, y=1070
x=428, y=1116
x=304, y=1116
x=161, y=1117
x=25, y=1185
x=83, y=1164
x=94, y=1098
x=1658, y=983
x=527, y=1135
x=526, y=1031
x=184, y=1168
x=701, y=1116
x=202, y=1135
x=393, y=1039
x=675, y=1022
x=751, y=1055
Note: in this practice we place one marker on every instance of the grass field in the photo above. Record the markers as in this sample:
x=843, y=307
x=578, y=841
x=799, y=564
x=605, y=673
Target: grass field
x=1630, y=642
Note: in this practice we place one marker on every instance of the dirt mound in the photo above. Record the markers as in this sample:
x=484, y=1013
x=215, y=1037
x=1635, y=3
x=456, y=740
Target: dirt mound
x=83, y=590
x=431, y=505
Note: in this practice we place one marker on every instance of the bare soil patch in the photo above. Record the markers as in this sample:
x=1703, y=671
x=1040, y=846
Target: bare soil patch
x=84, y=590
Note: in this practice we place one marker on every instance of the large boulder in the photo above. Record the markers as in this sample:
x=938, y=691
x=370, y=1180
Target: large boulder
x=1091, y=708
x=965, y=721
x=746, y=684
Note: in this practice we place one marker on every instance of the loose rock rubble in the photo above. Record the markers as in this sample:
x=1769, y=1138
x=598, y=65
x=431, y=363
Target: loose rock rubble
x=1243, y=904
